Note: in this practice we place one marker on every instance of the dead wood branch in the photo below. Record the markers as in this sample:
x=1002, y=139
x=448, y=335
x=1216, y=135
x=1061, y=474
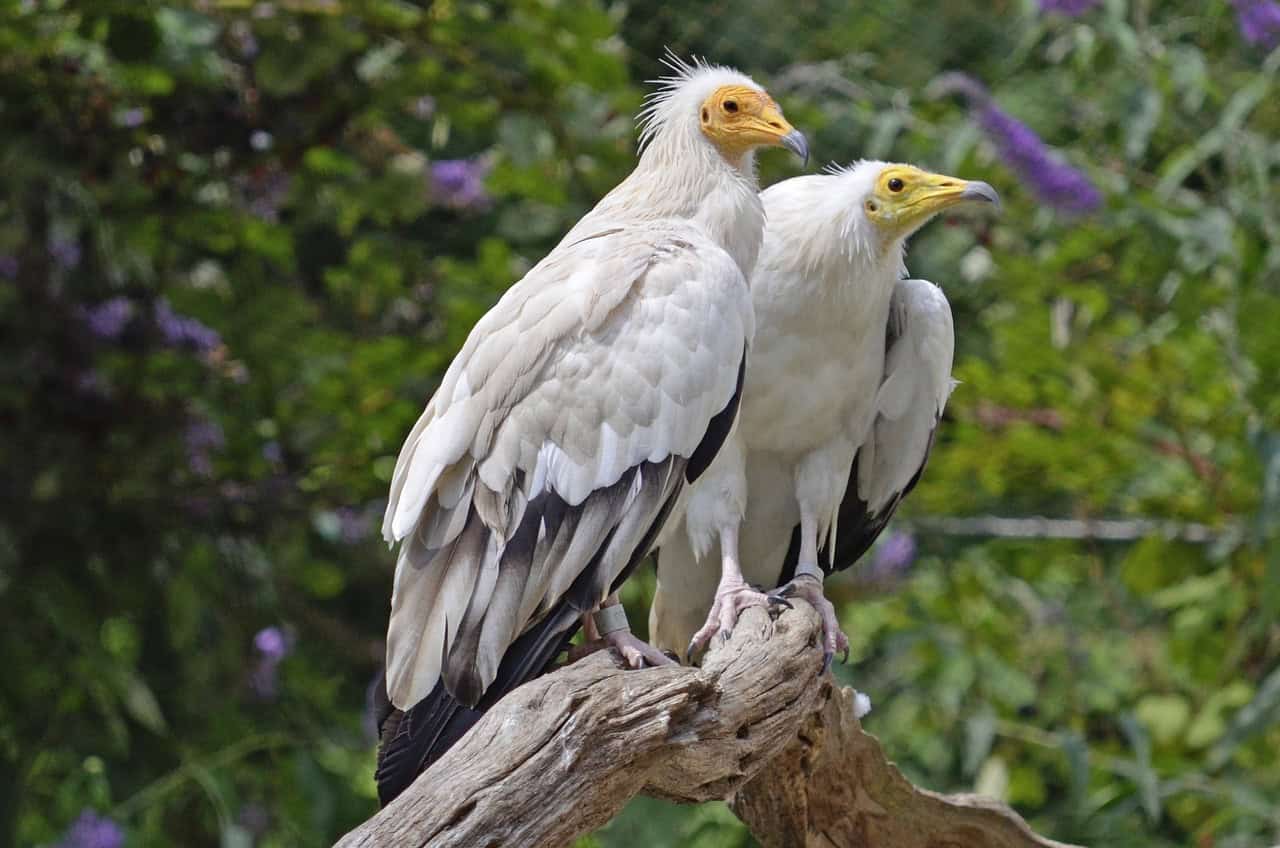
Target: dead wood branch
x=561, y=755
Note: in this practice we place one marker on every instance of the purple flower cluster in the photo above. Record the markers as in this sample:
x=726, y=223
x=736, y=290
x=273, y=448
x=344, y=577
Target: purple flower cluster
x=273, y=453
x=255, y=818
x=202, y=438
x=1259, y=21
x=107, y=320
x=92, y=384
x=131, y=118
x=424, y=107
x=892, y=558
x=272, y=645
x=65, y=252
x=1057, y=183
x=243, y=38
x=1070, y=8
x=91, y=830
x=263, y=192
x=459, y=183
x=9, y=267
x=354, y=525
x=184, y=331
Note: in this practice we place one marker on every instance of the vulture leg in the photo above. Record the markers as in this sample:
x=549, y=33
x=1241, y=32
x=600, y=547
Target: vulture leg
x=733, y=595
x=617, y=634
x=807, y=584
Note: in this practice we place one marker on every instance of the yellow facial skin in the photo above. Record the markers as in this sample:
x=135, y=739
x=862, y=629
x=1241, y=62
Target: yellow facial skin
x=738, y=119
x=904, y=198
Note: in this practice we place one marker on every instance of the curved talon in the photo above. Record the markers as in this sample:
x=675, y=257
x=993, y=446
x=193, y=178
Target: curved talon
x=731, y=601
x=779, y=600
x=832, y=639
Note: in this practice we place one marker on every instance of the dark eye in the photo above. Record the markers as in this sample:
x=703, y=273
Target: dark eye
x=706, y=116
x=731, y=105
x=895, y=184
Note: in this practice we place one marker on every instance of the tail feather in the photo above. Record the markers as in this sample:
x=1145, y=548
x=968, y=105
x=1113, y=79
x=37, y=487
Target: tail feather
x=413, y=740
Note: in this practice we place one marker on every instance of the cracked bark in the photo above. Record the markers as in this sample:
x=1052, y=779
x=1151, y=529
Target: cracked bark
x=561, y=755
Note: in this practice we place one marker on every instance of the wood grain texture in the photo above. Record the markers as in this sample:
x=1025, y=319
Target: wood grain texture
x=561, y=755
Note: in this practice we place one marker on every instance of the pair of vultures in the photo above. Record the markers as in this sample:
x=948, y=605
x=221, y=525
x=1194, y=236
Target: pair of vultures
x=698, y=367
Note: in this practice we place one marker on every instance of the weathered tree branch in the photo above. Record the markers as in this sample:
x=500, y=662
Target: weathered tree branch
x=561, y=755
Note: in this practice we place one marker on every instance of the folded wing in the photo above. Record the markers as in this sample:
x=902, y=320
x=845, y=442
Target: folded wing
x=554, y=447
x=919, y=348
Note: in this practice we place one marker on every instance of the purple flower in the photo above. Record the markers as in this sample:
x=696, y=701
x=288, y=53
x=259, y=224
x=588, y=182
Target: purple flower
x=202, y=437
x=108, y=319
x=273, y=453
x=91, y=830
x=424, y=107
x=66, y=252
x=1070, y=8
x=1259, y=21
x=131, y=118
x=271, y=643
x=1054, y=181
x=91, y=384
x=459, y=183
x=263, y=192
x=255, y=818
x=893, y=556
x=184, y=331
x=264, y=679
x=353, y=524
x=9, y=267
x=245, y=42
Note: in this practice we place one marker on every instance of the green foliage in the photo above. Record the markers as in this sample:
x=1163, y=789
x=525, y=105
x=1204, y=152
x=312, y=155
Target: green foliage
x=239, y=243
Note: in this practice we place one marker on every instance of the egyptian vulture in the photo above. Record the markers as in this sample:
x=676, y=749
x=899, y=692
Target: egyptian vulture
x=565, y=429
x=847, y=379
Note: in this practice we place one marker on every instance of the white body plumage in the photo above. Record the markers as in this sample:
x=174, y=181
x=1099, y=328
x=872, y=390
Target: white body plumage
x=822, y=389
x=560, y=435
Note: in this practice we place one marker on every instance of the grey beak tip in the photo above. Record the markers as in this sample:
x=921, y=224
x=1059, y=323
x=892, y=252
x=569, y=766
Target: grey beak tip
x=978, y=190
x=797, y=144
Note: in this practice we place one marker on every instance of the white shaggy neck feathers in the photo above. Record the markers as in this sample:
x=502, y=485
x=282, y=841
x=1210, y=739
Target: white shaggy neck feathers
x=820, y=236
x=681, y=175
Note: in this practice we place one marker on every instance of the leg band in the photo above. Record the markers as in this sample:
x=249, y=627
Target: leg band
x=610, y=619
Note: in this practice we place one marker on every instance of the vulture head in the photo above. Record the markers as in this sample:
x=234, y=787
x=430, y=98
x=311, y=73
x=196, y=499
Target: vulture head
x=896, y=200
x=700, y=101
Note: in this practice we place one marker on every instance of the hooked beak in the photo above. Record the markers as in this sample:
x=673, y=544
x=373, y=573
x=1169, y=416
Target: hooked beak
x=980, y=192
x=941, y=192
x=782, y=133
x=797, y=144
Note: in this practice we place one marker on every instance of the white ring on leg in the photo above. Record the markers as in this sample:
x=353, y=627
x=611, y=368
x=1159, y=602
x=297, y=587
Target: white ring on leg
x=810, y=569
x=610, y=619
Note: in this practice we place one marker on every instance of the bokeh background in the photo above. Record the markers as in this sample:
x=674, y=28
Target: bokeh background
x=239, y=242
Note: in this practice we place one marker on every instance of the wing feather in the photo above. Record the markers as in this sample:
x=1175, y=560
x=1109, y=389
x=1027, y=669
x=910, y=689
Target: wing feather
x=611, y=357
x=919, y=348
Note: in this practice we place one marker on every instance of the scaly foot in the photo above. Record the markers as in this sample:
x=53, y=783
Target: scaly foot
x=635, y=652
x=806, y=586
x=732, y=598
